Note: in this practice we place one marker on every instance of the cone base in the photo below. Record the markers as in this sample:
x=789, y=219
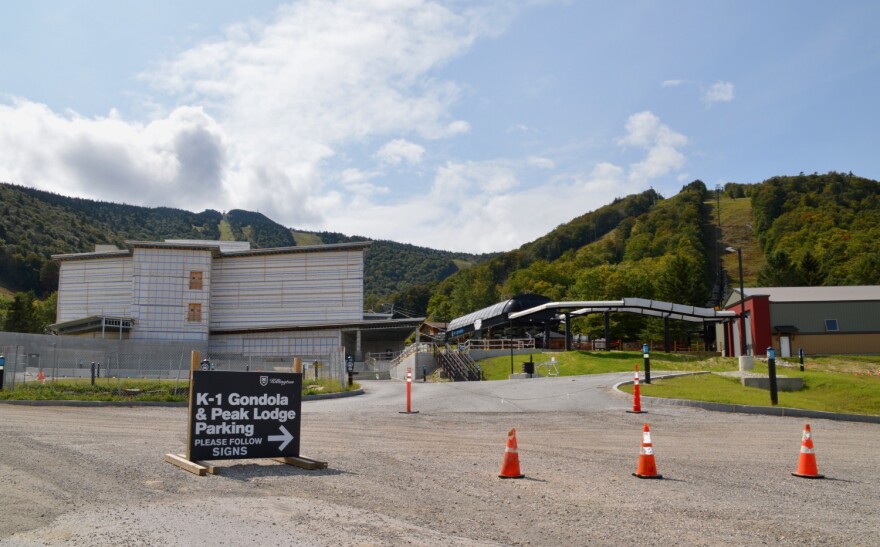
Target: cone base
x=411, y=412
x=637, y=411
x=511, y=476
x=808, y=476
x=647, y=476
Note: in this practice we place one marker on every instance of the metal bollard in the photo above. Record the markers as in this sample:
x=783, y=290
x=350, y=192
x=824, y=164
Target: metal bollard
x=801, y=358
x=93, y=373
x=771, y=369
x=646, y=353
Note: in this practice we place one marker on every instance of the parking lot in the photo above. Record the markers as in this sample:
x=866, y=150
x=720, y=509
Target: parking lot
x=96, y=476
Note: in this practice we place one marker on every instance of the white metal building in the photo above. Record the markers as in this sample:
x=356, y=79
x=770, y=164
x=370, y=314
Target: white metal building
x=280, y=301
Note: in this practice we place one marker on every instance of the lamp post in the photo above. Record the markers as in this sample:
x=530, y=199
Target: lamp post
x=742, y=302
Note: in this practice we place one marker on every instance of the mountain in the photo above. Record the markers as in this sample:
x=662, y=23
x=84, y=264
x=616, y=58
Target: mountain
x=819, y=229
x=35, y=225
x=803, y=230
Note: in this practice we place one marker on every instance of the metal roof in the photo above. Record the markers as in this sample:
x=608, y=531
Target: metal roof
x=497, y=310
x=849, y=293
x=93, y=323
x=410, y=323
x=642, y=306
x=216, y=247
x=89, y=256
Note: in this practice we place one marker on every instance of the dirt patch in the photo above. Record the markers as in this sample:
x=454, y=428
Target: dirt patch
x=96, y=476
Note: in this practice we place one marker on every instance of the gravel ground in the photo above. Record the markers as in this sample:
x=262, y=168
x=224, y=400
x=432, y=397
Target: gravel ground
x=96, y=476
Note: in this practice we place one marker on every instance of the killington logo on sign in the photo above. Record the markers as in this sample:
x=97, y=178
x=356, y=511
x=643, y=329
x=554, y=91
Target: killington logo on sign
x=233, y=415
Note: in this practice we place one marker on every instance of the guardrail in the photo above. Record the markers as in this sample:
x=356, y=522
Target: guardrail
x=504, y=343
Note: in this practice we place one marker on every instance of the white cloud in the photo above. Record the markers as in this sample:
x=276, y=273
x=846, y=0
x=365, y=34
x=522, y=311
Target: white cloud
x=484, y=207
x=282, y=112
x=275, y=102
x=178, y=160
x=540, y=163
x=719, y=92
x=644, y=130
x=671, y=83
x=321, y=76
x=393, y=152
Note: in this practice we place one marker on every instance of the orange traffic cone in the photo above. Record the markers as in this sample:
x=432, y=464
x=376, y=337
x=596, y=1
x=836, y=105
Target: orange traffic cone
x=40, y=376
x=637, y=395
x=647, y=468
x=510, y=465
x=807, y=461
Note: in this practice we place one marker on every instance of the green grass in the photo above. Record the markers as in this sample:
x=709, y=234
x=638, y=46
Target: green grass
x=226, y=231
x=825, y=391
x=736, y=218
x=109, y=389
x=303, y=239
x=576, y=363
x=838, y=383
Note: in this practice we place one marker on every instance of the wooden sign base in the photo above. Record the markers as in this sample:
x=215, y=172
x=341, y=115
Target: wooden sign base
x=201, y=468
x=302, y=462
x=195, y=467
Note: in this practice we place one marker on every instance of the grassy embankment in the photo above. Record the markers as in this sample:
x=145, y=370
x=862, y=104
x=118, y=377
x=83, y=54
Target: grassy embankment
x=113, y=389
x=847, y=384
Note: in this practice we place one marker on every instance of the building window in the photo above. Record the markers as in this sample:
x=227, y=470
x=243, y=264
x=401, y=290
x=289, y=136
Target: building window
x=195, y=281
x=831, y=325
x=195, y=313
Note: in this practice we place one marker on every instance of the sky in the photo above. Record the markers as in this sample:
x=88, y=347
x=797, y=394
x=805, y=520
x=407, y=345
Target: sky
x=458, y=125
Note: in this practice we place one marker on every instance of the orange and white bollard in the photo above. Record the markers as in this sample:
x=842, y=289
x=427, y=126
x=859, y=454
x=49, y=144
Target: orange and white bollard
x=637, y=397
x=409, y=409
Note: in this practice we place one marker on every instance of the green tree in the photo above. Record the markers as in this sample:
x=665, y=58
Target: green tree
x=22, y=315
x=682, y=281
x=778, y=271
x=811, y=271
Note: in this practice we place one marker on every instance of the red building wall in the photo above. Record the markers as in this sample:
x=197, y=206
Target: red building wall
x=761, y=335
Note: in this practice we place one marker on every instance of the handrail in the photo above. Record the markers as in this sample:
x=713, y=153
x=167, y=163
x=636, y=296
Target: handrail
x=502, y=343
x=419, y=347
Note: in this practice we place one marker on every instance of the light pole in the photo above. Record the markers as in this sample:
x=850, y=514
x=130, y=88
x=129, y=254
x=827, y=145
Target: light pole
x=742, y=302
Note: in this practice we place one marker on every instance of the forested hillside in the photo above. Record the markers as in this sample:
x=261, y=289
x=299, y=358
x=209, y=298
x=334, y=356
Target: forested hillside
x=798, y=230
x=638, y=246
x=808, y=230
x=35, y=225
x=818, y=230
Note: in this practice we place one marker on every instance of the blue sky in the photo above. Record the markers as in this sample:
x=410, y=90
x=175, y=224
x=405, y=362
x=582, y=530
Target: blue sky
x=471, y=126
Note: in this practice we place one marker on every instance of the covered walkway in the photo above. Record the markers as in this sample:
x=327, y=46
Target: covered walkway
x=543, y=313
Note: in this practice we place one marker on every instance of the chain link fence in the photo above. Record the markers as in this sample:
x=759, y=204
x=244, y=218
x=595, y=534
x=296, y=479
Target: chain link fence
x=34, y=357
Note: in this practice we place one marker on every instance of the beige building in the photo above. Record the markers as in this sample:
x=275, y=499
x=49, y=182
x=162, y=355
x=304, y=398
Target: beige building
x=281, y=301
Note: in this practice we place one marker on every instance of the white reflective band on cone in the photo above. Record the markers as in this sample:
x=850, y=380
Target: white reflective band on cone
x=805, y=450
x=511, y=450
x=646, y=437
x=647, y=450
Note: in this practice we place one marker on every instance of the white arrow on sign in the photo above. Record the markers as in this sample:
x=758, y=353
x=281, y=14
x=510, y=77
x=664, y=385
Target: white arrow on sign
x=285, y=438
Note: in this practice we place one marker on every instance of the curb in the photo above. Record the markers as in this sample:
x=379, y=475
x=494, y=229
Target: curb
x=317, y=397
x=747, y=409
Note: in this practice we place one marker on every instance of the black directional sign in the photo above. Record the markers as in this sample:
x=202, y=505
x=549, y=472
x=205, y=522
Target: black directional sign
x=235, y=415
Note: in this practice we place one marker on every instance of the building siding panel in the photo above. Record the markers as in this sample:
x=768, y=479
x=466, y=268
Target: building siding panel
x=161, y=294
x=287, y=289
x=809, y=317
x=94, y=287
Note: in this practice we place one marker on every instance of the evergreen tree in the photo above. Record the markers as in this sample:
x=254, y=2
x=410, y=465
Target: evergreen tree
x=22, y=315
x=811, y=271
x=778, y=271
